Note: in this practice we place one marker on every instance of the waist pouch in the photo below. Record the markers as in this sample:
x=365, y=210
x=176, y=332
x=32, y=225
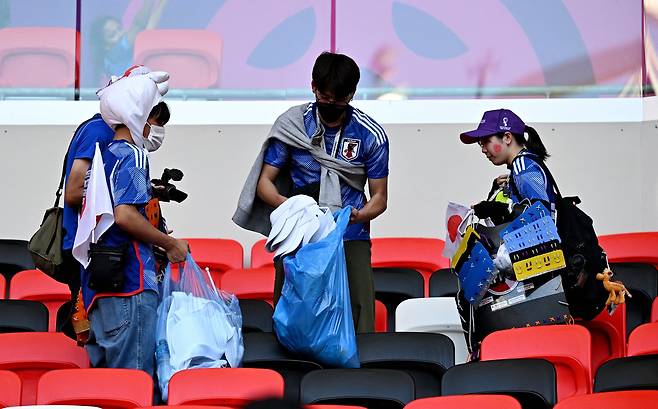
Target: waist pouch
x=105, y=268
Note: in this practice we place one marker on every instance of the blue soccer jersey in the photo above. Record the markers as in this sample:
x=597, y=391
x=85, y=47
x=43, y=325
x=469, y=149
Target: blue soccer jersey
x=127, y=172
x=362, y=142
x=83, y=146
x=530, y=180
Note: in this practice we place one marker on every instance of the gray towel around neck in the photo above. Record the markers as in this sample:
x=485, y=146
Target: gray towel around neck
x=253, y=214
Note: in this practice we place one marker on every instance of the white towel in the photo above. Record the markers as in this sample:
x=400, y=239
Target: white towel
x=97, y=214
x=128, y=100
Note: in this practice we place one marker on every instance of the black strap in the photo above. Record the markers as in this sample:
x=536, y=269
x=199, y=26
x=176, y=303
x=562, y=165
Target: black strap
x=58, y=194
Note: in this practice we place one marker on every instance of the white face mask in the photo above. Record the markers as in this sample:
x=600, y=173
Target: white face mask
x=155, y=138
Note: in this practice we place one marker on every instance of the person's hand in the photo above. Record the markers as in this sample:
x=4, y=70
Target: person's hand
x=490, y=209
x=502, y=180
x=354, y=216
x=177, y=251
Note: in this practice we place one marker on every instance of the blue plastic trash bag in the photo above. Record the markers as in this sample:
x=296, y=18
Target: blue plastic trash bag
x=314, y=316
x=198, y=325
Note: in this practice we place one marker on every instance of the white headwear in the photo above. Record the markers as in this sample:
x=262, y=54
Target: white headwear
x=129, y=99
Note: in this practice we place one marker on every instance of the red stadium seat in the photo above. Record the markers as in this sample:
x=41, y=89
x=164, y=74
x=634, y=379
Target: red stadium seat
x=27, y=60
x=224, y=386
x=10, y=389
x=608, y=335
x=381, y=317
x=654, y=310
x=219, y=255
x=35, y=285
x=3, y=286
x=31, y=354
x=105, y=387
x=568, y=347
x=192, y=57
x=421, y=254
x=644, y=340
x=465, y=402
x=260, y=257
x=250, y=283
x=631, y=247
x=617, y=400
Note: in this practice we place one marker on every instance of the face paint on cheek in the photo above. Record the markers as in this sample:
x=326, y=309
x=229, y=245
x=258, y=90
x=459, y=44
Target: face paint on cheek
x=497, y=148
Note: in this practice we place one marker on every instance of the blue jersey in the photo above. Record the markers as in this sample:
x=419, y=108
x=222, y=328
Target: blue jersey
x=362, y=142
x=127, y=172
x=83, y=146
x=530, y=180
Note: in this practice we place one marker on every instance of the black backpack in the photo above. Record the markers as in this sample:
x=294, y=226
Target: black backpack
x=584, y=256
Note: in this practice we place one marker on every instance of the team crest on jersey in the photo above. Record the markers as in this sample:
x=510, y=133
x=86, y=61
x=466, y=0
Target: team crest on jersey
x=350, y=149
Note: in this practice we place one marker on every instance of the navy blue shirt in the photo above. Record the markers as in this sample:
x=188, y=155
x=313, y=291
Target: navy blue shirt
x=83, y=147
x=361, y=142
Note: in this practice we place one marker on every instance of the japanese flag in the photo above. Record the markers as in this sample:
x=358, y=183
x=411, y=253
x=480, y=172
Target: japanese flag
x=455, y=215
x=97, y=214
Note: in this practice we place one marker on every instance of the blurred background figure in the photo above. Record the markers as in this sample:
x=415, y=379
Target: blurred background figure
x=113, y=44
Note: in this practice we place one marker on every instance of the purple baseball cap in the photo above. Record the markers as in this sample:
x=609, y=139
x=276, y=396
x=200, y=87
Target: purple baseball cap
x=494, y=122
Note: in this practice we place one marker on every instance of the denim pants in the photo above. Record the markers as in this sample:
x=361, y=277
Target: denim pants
x=122, y=332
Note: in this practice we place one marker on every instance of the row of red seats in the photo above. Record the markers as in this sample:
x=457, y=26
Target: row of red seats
x=31, y=355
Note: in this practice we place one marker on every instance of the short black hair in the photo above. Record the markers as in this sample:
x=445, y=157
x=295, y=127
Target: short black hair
x=337, y=74
x=160, y=113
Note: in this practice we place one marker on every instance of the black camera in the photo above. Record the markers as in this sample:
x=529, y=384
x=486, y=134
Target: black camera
x=165, y=191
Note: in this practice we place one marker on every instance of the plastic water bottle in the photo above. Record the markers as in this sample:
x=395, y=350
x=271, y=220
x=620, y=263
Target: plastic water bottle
x=164, y=369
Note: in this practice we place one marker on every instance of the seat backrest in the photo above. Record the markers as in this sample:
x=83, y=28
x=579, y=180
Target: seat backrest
x=37, y=286
x=256, y=316
x=3, y=286
x=618, y=400
x=654, y=310
x=14, y=256
x=567, y=347
x=424, y=356
x=192, y=57
x=531, y=381
x=30, y=354
x=224, y=386
x=436, y=314
x=250, y=283
x=466, y=402
x=380, y=388
x=259, y=256
x=263, y=350
x=644, y=340
x=10, y=389
x=394, y=285
x=641, y=280
x=23, y=316
x=635, y=372
x=422, y=254
x=608, y=334
x=219, y=255
x=105, y=387
x=631, y=247
x=381, y=317
x=26, y=60
x=444, y=283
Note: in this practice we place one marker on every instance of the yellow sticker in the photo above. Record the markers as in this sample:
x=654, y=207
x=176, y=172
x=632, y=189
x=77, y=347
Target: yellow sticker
x=538, y=265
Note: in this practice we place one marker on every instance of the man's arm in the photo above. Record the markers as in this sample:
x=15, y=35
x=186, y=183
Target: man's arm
x=75, y=183
x=376, y=205
x=266, y=190
x=128, y=218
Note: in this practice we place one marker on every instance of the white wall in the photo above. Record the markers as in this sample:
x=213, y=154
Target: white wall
x=610, y=165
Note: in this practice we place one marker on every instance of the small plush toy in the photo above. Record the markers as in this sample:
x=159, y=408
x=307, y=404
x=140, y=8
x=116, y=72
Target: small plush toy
x=616, y=289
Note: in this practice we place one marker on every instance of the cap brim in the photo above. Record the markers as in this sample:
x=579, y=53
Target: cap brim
x=475, y=135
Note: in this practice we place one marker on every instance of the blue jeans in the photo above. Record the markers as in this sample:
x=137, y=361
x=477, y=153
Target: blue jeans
x=122, y=332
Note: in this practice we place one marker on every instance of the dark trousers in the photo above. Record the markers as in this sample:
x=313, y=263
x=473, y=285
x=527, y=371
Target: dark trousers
x=360, y=278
